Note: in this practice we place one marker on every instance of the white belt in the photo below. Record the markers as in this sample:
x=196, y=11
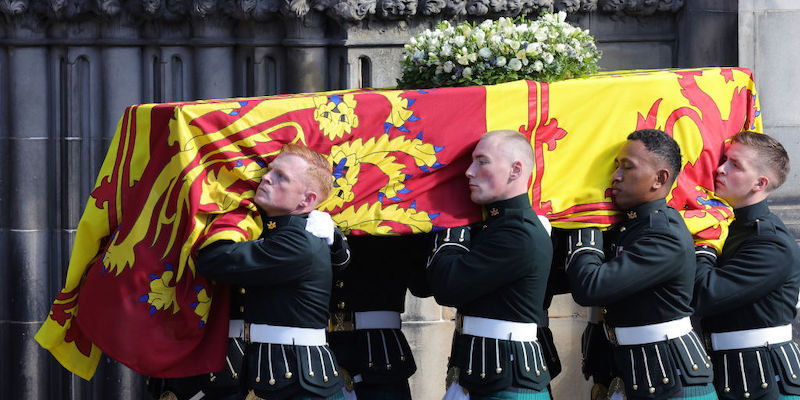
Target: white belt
x=263, y=333
x=236, y=328
x=751, y=338
x=654, y=332
x=377, y=320
x=499, y=329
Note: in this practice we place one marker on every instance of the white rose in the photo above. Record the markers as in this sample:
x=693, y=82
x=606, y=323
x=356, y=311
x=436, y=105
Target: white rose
x=515, y=64
x=533, y=49
x=447, y=51
x=561, y=48
x=467, y=72
x=541, y=34
x=537, y=66
x=448, y=66
x=418, y=55
x=459, y=41
x=562, y=16
x=438, y=70
x=548, y=58
x=472, y=57
x=485, y=52
x=501, y=61
x=462, y=59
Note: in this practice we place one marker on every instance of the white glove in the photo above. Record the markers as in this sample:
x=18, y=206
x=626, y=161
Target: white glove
x=320, y=224
x=546, y=224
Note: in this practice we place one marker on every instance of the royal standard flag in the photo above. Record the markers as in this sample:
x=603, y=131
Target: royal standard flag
x=179, y=176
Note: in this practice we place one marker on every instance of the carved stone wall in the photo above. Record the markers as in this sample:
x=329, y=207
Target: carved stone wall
x=68, y=69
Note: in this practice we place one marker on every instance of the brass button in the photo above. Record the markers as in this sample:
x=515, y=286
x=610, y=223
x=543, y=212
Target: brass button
x=605, y=310
x=339, y=284
x=622, y=229
x=341, y=305
x=242, y=291
x=241, y=308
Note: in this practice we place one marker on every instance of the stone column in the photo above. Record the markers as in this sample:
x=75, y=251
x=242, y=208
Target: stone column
x=26, y=274
x=706, y=34
x=306, y=54
x=767, y=29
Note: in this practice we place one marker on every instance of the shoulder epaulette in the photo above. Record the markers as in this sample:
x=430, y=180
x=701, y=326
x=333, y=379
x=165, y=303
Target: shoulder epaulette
x=659, y=220
x=764, y=226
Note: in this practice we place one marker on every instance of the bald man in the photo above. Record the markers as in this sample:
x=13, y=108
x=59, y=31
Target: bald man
x=495, y=274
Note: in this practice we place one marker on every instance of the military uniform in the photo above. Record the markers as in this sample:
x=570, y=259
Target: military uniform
x=643, y=279
x=747, y=299
x=287, y=277
x=365, y=307
x=496, y=275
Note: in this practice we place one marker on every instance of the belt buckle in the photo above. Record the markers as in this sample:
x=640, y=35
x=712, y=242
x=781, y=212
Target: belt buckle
x=610, y=334
x=342, y=321
x=459, y=323
x=246, y=333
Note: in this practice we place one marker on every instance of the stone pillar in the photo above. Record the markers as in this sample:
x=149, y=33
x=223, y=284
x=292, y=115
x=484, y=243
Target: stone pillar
x=306, y=54
x=429, y=330
x=766, y=45
x=707, y=34
x=27, y=290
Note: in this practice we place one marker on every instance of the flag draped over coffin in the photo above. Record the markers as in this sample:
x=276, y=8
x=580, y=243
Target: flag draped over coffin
x=179, y=176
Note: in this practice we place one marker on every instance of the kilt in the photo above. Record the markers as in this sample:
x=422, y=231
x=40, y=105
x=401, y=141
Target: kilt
x=515, y=394
x=697, y=392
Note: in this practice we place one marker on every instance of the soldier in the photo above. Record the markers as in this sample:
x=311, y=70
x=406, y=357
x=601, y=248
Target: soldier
x=747, y=297
x=225, y=384
x=366, y=303
x=287, y=278
x=643, y=278
x=496, y=276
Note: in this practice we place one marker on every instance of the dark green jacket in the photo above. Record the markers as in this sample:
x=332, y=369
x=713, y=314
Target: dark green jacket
x=504, y=273
x=755, y=281
x=648, y=273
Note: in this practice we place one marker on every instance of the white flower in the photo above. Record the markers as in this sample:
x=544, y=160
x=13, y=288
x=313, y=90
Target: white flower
x=462, y=59
x=537, y=66
x=561, y=48
x=485, y=52
x=467, y=72
x=438, y=69
x=515, y=64
x=548, y=58
x=447, y=51
x=541, y=34
x=459, y=41
x=562, y=16
x=472, y=57
x=448, y=66
x=501, y=61
x=418, y=55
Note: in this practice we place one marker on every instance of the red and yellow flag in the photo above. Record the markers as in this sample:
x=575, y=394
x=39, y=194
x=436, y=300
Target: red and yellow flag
x=179, y=176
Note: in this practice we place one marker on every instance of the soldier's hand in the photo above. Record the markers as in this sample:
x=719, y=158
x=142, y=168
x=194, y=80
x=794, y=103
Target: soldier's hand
x=320, y=224
x=582, y=241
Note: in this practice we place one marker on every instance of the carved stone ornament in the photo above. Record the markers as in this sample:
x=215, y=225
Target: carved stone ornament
x=346, y=11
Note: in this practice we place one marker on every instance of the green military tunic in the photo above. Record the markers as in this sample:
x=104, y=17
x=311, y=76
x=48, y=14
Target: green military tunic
x=382, y=269
x=641, y=272
x=753, y=284
x=286, y=276
x=499, y=272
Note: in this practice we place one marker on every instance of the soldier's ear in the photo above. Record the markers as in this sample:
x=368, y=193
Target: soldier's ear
x=309, y=201
x=516, y=170
x=762, y=184
x=662, y=178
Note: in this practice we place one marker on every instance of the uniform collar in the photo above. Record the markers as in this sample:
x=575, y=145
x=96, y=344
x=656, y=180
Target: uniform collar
x=751, y=212
x=498, y=208
x=644, y=210
x=273, y=223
